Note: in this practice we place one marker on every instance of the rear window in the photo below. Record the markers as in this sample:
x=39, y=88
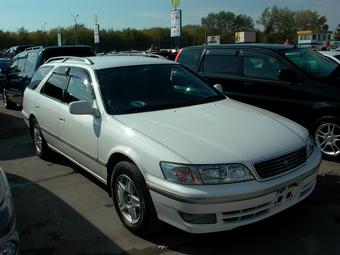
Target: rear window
x=189, y=58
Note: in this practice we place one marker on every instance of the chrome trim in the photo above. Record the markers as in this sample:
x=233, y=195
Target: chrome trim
x=78, y=164
x=226, y=199
x=94, y=158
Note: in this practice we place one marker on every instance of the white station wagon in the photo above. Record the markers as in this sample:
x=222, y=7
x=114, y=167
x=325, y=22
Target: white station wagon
x=168, y=146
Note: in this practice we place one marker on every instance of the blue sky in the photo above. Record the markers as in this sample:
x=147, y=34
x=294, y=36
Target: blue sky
x=119, y=14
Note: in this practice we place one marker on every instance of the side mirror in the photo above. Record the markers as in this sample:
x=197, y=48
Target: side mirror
x=81, y=108
x=219, y=88
x=287, y=75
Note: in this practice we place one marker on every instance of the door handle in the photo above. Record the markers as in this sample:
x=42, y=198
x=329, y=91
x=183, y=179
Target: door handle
x=62, y=119
x=37, y=107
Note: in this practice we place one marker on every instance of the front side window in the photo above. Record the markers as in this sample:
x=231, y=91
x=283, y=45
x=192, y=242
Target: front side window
x=79, y=87
x=39, y=75
x=310, y=62
x=55, y=86
x=261, y=66
x=144, y=88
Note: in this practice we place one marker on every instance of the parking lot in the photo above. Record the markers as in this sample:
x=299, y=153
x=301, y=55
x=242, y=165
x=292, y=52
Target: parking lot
x=61, y=209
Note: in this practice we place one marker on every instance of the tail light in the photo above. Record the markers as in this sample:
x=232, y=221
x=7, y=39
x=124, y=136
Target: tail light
x=178, y=54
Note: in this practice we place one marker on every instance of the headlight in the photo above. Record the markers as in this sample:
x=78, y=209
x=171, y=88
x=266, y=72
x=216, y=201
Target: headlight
x=205, y=174
x=309, y=146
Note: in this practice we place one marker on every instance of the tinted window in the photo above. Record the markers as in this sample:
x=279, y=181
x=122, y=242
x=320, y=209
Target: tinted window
x=31, y=63
x=14, y=66
x=21, y=64
x=79, y=87
x=226, y=64
x=311, y=62
x=39, y=76
x=190, y=58
x=55, y=86
x=152, y=87
x=261, y=66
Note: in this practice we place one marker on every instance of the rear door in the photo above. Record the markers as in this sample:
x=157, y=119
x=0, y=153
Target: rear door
x=48, y=105
x=223, y=66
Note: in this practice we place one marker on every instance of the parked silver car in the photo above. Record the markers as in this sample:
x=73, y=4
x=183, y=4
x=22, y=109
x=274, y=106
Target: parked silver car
x=168, y=146
x=9, y=239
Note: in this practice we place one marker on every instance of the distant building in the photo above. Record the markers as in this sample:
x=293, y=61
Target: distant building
x=313, y=39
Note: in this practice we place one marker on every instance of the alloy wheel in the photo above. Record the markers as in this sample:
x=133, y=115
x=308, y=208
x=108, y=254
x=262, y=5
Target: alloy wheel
x=37, y=138
x=128, y=199
x=327, y=137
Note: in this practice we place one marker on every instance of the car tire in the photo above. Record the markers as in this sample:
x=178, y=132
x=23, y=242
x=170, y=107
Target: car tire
x=326, y=134
x=132, y=199
x=39, y=142
x=7, y=103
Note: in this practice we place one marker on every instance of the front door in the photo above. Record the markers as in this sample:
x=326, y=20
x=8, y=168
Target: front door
x=79, y=133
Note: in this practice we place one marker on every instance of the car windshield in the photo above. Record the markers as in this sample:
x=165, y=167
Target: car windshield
x=144, y=88
x=312, y=63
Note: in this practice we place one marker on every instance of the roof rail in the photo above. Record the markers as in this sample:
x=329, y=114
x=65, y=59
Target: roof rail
x=70, y=58
x=34, y=48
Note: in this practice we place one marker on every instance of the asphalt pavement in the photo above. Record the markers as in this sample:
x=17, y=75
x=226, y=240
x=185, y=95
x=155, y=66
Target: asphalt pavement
x=61, y=209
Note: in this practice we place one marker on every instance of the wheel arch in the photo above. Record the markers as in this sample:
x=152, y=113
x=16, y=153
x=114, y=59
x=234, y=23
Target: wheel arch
x=114, y=159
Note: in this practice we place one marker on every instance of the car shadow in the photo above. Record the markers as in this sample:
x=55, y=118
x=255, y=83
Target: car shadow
x=311, y=227
x=48, y=225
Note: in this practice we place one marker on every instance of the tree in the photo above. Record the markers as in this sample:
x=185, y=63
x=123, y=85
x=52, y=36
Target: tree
x=282, y=23
x=226, y=24
x=278, y=24
x=310, y=20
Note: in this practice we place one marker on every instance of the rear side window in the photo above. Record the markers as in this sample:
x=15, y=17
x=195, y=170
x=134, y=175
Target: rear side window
x=223, y=64
x=190, y=57
x=39, y=76
x=55, y=86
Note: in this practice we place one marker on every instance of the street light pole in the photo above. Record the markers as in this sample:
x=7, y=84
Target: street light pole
x=75, y=16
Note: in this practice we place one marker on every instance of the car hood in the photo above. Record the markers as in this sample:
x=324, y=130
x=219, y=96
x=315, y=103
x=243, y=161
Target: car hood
x=220, y=132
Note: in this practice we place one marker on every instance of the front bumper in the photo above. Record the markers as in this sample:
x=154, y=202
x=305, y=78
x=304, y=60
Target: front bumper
x=235, y=204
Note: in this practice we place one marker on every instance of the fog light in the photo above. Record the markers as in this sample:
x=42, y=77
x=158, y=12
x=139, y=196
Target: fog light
x=198, y=218
x=9, y=248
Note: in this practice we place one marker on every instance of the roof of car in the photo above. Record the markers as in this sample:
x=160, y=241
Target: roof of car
x=330, y=53
x=104, y=62
x=275, y=47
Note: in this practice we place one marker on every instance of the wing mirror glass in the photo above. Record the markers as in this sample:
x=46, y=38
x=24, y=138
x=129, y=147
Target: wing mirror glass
x=81, y=108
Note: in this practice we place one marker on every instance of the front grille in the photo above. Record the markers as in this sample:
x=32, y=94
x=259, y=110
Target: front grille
x=282, y=164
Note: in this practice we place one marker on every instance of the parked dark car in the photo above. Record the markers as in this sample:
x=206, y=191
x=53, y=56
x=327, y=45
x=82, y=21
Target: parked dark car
x=294, y=82
x=9, y=239
x=24, y=65
x=4, y=64
x=15, y=50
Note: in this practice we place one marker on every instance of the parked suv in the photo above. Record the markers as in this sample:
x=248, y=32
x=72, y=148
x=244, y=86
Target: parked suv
x=297, y=83
x=24, y=65
x=167, y=145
